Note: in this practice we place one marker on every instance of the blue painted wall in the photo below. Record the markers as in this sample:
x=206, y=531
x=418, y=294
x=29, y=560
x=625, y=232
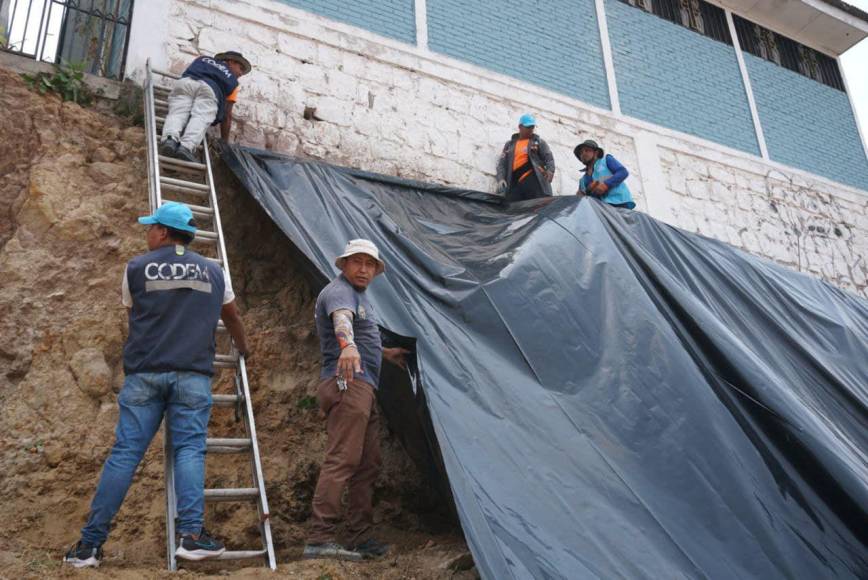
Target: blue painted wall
x=393, y=18
x=678, y=78
x=796, y=112
x=554, y=44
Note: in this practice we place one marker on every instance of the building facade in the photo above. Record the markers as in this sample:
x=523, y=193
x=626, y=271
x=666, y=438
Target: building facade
x=734, y=119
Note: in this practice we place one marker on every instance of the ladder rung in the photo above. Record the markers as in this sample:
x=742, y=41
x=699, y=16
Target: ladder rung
x=205, y=237
x=224, y=400
x=161, y=102
x=237, y=494
x=220, y=326
x=173, y=184
x=214, y=445
x=217, y=261
x=198, y=210
x=225, y=361
x=202, y=209
x=185, y=183
x=182, y=163
x=240, y=555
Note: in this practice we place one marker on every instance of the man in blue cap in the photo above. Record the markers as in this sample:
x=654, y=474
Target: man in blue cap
x=526, y=166
x=174, y=298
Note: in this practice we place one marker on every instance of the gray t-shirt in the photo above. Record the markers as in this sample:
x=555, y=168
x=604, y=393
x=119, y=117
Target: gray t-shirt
x=339, y=295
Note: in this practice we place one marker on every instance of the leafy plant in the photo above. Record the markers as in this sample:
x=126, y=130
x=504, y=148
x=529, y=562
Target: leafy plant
x=67, y=80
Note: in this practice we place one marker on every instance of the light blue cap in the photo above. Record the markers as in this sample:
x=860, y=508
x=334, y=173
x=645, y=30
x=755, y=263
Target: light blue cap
x=527, y=120
x=171, y=214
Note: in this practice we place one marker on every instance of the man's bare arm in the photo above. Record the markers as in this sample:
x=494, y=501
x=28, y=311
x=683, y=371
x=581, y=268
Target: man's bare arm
x=232, y=320
x=226, y=124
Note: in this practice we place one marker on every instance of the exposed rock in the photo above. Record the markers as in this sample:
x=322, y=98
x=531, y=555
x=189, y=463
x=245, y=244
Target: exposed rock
x=93, y=375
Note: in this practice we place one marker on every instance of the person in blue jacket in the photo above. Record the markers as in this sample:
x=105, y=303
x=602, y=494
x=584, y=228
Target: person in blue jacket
x=604, y=176
x=203, y=96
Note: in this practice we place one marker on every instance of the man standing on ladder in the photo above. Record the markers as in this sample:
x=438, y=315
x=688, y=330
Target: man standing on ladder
x=203, y=96
x=352, y=352
x=175, y=298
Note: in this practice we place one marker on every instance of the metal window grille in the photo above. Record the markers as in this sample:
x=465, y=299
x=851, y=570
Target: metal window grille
x=94, y=33
x=788, y=53
x=699, y=16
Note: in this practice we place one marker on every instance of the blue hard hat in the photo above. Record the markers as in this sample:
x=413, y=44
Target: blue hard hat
x=527, y=120
x=173, y=215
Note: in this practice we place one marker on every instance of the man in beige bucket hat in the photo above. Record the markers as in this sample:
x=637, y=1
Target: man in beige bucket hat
x=352, y=353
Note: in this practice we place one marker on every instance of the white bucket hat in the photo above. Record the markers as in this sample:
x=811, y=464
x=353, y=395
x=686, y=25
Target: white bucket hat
x=361, y=247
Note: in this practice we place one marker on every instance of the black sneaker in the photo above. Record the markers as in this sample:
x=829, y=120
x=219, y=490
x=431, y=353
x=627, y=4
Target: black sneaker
x=169, y=147
x=83, y=556
x=185, y=154
x=200, y=548
x=371, y=549
x=331, y=550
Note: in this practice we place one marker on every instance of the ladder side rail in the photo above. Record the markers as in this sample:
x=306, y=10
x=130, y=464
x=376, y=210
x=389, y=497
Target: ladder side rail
x=218, y=224
x=264, y=516
x=150, y=132
x=250, y=425
x=155, y=200
x=171, y=500
x=152, y=138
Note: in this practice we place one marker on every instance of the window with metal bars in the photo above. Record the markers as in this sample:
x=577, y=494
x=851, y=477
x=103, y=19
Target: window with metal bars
x=788, y=53
x=699, y=16
x=94, y=33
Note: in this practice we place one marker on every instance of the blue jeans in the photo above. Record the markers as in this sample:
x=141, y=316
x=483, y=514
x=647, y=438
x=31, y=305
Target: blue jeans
x=185, y=398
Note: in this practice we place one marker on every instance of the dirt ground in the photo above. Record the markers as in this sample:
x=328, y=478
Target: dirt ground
x=72, y=182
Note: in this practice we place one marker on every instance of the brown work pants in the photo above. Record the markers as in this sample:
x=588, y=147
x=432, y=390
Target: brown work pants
x=352, y=458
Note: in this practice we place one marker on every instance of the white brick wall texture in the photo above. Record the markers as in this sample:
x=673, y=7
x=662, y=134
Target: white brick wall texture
x=399, y=109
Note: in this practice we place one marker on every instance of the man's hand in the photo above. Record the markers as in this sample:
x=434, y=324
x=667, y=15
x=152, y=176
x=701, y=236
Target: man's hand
x=349, y=362
x=600, y=189
x=396, y=356
x=501, y=186
x=550, y=175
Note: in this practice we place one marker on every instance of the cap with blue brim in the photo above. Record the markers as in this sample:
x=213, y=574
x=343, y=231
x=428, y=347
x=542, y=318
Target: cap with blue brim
x=527, y=120
x=172, y=215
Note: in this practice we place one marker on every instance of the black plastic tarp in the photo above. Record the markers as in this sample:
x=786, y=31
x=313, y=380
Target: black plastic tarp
x=612, y=397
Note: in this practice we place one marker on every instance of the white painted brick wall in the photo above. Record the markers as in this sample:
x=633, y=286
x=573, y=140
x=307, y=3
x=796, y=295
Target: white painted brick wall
x=402, y=110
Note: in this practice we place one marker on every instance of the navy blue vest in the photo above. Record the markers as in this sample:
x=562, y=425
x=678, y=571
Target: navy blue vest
x=218, y=76
x=176, y=306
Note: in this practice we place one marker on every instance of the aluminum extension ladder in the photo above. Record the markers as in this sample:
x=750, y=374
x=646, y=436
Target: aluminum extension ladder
x=185, y=182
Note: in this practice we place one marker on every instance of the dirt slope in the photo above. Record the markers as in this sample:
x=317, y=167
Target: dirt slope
x=72, y=182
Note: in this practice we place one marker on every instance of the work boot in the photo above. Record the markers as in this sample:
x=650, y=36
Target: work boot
x=371, y=549
x=330, y=550
x=199, y=547
x=83, y=556
x=186, y=155
x=169, y=147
